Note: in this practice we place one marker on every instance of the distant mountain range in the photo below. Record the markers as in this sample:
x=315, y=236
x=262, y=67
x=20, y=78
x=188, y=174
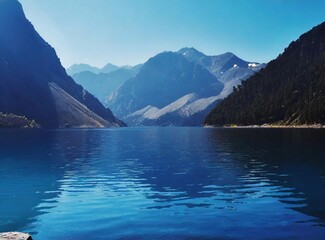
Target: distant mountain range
x=33, y=82
x=289, y=91
x=102, y=84
x=108, y=68
x=179, y=88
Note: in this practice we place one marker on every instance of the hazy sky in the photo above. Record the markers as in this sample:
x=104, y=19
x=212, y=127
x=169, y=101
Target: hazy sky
x=131, y=31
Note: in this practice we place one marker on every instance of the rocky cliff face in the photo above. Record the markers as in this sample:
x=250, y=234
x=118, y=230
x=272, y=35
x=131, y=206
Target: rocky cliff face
x=33, y=82
x=15, y=236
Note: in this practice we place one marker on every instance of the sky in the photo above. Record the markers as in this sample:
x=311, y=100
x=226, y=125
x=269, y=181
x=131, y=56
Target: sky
x=129, y=32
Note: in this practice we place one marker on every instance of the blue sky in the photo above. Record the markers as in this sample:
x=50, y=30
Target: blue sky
x=127, y=32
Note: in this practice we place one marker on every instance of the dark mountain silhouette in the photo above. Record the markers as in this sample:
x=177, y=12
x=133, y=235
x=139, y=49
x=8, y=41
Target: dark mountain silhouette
x=290, y=90
x=33, y=82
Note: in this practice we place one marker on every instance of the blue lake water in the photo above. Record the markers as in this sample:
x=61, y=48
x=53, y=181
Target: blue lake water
x=163, y=183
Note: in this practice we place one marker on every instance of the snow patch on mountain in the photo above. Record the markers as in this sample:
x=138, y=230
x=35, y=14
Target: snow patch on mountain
x=252, y=65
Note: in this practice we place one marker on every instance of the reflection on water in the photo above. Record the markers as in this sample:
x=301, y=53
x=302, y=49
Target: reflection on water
x=163, y=183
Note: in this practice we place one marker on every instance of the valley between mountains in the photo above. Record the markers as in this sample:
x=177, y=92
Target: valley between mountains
x=182, y=88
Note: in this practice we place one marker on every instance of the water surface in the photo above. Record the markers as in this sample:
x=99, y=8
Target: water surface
x=163, y=183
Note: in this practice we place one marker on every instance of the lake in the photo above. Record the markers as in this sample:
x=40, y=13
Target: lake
x=163, y=183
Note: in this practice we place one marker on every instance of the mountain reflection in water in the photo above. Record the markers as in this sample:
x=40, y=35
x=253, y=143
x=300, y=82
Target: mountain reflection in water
x=163, y=183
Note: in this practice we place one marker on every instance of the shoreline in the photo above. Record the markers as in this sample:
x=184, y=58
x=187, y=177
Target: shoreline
x=268, y=126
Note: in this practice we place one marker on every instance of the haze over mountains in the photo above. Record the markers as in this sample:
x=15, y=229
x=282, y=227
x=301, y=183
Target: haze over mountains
x=179, y=88
x=101, y=82
x=289, y=91
x=171, y=88
x=33, y=82
x=108, y=68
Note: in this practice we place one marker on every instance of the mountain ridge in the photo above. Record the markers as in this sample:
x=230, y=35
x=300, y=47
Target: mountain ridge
x=103, y=84
x=290, y=90
x=163, y=79
x=152, y=112
x=28, y=66
x=108, y=68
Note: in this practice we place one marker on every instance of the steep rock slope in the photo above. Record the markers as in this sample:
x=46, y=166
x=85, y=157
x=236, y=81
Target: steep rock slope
x=162, y=80
x=29, y=70
x=189, y=110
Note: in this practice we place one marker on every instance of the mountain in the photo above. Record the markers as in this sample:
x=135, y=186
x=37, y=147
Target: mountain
x=102, y=85
x=164, y=93
x=162, y=80
x=218, y=64
x=227, y=67
x=33, y=82
x=290, y=90
x=108, y=68
x=77, y=68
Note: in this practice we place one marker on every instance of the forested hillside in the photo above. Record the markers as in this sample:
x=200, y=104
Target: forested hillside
x=290, y=90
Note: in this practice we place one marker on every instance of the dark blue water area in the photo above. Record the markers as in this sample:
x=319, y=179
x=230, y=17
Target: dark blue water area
x=163, y=183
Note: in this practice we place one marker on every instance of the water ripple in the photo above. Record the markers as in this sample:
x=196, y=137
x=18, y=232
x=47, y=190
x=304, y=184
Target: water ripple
x=163, y=183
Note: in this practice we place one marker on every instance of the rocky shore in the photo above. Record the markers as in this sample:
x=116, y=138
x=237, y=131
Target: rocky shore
x=15, y=236
x=15, y=121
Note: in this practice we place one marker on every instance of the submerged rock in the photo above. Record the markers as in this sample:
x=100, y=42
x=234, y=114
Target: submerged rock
x=15, y=236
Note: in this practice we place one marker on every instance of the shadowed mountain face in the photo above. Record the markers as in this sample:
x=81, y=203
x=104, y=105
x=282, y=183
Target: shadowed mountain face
x=290, y=90
x=219, y=64
x=227, y=67
x=33, y=82
x=179, y=88
x=162, y=80
x=216, y=64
